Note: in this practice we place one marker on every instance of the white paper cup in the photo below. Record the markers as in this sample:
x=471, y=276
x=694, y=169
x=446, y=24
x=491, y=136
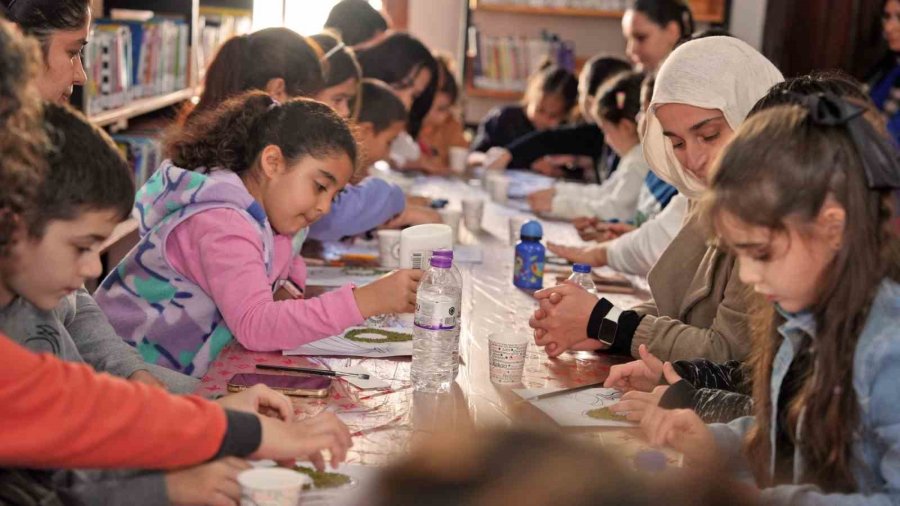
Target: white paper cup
x=500, y=190
x=458, y=157
x=389, y=248
x=272, y=486
x=473, y=210
x=418, y=242
x=451, y=217
x=515, y=228
x=506, y=352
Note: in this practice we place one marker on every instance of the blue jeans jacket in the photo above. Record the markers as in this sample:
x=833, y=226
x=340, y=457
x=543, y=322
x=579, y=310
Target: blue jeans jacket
x=876, y=379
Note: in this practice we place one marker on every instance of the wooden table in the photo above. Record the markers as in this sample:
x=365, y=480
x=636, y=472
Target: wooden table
x=390, y=420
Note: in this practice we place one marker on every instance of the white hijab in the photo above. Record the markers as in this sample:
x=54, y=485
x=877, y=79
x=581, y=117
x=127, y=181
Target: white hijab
x=722, y=73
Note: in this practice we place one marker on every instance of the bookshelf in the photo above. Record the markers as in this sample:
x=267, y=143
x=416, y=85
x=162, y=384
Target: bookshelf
x=592, y=30
x=712, y=11
x=158, y=72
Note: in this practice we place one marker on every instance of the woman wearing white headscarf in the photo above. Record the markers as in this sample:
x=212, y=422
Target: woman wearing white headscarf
x=698, y=308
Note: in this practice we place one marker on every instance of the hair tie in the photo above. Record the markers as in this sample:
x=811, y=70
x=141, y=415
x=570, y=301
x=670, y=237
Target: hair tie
x=620, y=100
x=878, y=155
x=331, y=52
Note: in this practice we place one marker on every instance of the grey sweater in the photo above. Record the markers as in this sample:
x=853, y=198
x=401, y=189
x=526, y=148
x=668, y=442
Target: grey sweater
x=76, y=330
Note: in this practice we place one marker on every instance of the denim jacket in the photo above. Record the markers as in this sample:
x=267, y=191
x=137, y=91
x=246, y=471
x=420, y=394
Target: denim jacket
x=876, y=380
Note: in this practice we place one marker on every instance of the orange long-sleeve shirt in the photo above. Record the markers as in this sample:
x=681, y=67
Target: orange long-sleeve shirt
x=60, y=414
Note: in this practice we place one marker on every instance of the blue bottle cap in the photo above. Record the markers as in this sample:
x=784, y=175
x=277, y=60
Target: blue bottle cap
x=582, y=268
x=443, y=253
x=531, y=229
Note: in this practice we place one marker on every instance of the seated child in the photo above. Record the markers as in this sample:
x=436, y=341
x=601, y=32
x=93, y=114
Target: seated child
x=216, y=224
x=625, y=196
x=87, y=190
x=441, y=128
x=373, y=202
x=548, y=102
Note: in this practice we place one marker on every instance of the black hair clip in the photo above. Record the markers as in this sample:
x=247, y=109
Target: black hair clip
x=878, y=154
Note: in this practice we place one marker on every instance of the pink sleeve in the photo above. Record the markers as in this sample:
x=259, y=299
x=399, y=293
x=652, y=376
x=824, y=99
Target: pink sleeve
x=221, y=252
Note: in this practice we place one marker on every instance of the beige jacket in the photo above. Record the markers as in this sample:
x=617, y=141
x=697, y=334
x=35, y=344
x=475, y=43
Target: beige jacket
x=699, y=307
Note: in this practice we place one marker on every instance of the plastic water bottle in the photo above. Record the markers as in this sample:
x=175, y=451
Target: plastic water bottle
x=435, y=346
x=528, y=272
x=459, y=282
x=581, y=275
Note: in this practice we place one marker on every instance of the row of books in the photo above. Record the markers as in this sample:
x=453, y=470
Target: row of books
x=217, y=25
x=131, y=59
x=605, y=5
x=505, y=63
x=143, y=150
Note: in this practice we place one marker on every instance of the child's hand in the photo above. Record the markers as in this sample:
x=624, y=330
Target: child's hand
x=584, y=223
x=635, y=404
x=260, y=399
x=643, y=374
x=414, y=215
x=592, y=255
x=143, y=376
x=609, y=231
x=394, y=293
x=497, y=158
x=212, y=484
x=305, y=440
x=542, y=201
x=548, y=166
x=684, y=431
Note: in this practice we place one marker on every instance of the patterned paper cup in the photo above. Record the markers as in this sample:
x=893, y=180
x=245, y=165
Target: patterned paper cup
x=506, y=352
x=273, y=486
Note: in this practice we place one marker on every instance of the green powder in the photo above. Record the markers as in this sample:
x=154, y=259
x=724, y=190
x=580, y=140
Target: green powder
x=604, y=414
x=389, y=336
x=323, y=479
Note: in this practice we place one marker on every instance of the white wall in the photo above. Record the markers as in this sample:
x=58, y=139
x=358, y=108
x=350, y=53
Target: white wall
x=438, y=23
x=748, y=19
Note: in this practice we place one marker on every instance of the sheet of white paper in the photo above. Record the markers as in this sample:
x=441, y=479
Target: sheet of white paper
x=341, y=346
x=340, y=276
x=573, y=410
x=368, y=384
x=468, y=253
x=522, y=183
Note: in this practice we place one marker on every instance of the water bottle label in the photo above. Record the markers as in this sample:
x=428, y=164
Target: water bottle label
x=436, y=315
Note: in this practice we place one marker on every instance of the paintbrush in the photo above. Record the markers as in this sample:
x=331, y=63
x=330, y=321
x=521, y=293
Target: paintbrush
x=561, y=392
x=308, y=370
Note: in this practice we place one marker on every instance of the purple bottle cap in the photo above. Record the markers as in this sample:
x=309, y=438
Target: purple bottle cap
x=441, y=262
x=448, y=253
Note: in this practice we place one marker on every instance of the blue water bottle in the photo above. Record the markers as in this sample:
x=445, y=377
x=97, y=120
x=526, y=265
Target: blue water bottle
x=530, y=254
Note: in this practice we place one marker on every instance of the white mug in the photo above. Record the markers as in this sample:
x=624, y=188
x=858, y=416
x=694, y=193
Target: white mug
x=389, y=248
x=418, y=242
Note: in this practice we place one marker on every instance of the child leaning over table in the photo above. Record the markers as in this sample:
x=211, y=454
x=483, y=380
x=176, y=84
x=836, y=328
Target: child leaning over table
x=88, y=188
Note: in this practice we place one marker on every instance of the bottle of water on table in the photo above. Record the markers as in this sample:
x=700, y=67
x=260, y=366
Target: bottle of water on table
x=459, y=322
x=435, y=346
x=581, y=276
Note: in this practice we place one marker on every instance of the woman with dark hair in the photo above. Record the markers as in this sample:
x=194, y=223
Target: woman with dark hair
x=357, y=22
x=406, y=65
x=62, y=28
x=884, y=80
x=652, y=29
x=342, y=75
x=278, y=61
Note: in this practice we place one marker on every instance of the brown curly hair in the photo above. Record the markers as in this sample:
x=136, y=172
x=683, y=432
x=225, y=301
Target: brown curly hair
x=232, y=135
x=22, y=139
